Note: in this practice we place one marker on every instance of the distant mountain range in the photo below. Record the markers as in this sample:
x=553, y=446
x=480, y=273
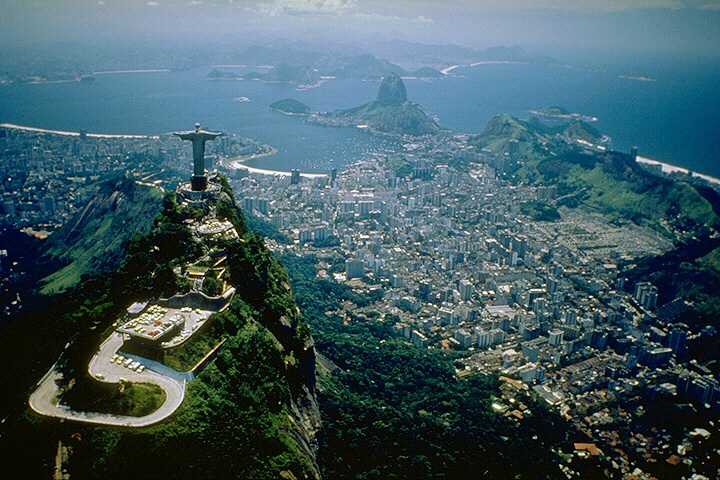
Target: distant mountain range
x=412, y=53
x=283, y=73
x=364, y=67
x=291, y=106
x=304, y=66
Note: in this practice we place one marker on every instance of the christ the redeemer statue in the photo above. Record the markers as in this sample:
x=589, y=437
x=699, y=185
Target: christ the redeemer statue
x=198, y=138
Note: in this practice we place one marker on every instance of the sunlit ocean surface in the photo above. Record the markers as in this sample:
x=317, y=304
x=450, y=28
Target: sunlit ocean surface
x=674, y=118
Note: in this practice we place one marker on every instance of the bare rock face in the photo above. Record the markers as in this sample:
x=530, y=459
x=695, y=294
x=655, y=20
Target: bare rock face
x=392, y=90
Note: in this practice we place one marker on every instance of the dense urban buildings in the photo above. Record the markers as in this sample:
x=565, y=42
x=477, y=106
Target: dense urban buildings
x=454, y=264
x=451, y=261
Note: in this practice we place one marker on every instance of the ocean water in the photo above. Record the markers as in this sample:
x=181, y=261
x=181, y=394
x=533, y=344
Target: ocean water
x=674, y=118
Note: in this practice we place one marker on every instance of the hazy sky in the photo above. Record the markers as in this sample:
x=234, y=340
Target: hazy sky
x=687, y=27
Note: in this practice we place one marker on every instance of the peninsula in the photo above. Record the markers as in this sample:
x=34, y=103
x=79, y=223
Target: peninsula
x=390, y=114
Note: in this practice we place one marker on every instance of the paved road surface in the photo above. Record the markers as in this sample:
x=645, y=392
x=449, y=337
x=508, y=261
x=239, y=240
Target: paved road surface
x=44, y=399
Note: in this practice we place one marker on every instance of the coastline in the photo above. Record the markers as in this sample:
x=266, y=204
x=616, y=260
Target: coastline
x=239, y=164
x=451, y=68
x=236, y=163
x=669, y=169
x=64, y=133
x=121, y=72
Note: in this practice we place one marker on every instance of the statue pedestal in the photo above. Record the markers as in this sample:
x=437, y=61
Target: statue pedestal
x=189, y=193
x=199, y=183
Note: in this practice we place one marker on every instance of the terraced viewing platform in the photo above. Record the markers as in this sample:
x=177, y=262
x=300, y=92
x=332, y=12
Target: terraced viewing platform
x=109, y=366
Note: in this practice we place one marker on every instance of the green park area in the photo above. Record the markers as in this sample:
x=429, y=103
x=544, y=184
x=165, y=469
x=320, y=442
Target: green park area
x=126, y=399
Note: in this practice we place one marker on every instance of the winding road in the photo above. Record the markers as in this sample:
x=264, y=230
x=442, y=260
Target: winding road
x=44, y=399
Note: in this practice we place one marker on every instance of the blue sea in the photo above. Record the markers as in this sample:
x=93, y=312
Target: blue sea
x=671, y=113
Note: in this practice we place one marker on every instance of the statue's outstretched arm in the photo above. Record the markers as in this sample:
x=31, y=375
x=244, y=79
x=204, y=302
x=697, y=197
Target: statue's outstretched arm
x=183, y=136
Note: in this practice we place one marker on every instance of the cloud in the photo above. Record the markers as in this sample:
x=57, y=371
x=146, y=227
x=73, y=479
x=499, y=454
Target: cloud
x=389, y=19
x=711, y=6
x=307, y=7
x=152, y=4
x=700, y=4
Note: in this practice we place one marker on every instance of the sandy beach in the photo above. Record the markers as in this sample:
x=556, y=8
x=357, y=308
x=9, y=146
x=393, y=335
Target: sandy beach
x=64, y=133
x=450, y=69
x=121, y=72
x=239, y=165
x=668, y=168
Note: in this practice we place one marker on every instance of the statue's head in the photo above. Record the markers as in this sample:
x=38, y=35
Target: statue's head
x=197, y=127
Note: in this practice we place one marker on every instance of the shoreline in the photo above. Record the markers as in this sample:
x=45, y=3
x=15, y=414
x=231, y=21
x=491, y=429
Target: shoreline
x=239, y=164
x=451, y=68
x=121, y=72
x=669, y=169
x=66, y=133
x=236, y=163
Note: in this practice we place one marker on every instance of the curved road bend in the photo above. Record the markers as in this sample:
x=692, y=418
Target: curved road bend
x=44, y=398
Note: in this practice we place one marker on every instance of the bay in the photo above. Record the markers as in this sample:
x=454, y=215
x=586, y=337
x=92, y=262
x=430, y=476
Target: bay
x=671, y=116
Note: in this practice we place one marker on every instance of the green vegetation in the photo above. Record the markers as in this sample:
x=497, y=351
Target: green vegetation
x=712, y=260
x=291, y=106
x=283, y=73
x=390, y=114
x=240, y=416
x=540, y=211
x=295, y=74
x=400, y=166
x=96, y=239
x=234, y=423
x=616, y=185
x=689, y=271
x=395, y=411
x=392, y=90
x=212, y=286
x=185, y=357
x=554, y=110
x=502, y=130
x=265, y=229
x=405, y=119
x=132, y=399
x=427, y=72
x=362, y=66
x=609, y=182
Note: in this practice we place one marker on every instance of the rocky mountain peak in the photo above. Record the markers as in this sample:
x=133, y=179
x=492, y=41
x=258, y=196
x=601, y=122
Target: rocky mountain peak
x=392, y=90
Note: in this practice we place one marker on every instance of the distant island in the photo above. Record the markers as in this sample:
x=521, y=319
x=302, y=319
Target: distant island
x=561, y=114
x=283, y=73
x=371, y=67
x=427, y=72
x=418, y=53
x=290, y=106
x=303, y=67
x=391, y=114
x=362, y=67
